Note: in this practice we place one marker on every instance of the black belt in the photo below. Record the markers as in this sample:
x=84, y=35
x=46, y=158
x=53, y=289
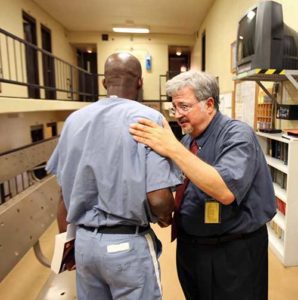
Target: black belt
x=214, y=240
x=117, y=229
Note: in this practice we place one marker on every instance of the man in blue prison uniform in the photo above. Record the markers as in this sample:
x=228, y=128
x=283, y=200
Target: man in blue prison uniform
x=222, y=242
x=113, y=187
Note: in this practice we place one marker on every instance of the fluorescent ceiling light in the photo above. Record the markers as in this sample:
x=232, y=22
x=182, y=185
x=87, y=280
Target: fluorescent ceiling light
x=131, y=29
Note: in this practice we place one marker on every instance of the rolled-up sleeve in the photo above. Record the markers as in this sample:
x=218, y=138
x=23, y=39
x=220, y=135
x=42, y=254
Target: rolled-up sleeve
x=237, y=163
x=52, y=164
x=161, y=172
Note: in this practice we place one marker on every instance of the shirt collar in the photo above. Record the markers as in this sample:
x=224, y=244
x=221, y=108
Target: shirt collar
x=201, y=139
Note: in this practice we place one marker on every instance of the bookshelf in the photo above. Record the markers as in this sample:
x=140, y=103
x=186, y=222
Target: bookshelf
x=264, y=115
x=282, y=158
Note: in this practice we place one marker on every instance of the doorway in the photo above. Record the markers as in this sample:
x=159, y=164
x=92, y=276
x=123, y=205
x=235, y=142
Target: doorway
x=52, y=127
x=179, y=60
x=88, y=84
x=37, y=134
x=203, y=42
x=29, y=28
x=48, y=64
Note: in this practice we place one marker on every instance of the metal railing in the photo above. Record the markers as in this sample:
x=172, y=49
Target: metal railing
x=45, y=75
x=22, y=167
x=49, y=77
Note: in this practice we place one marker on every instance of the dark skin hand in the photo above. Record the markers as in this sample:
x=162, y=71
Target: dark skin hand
x=162, y=205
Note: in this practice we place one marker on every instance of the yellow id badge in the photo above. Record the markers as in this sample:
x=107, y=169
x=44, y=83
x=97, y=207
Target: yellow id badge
x=212, y=212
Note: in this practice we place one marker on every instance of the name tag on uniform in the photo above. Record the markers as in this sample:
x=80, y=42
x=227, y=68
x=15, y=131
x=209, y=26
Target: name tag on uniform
x=118, y=247
x=212, y=212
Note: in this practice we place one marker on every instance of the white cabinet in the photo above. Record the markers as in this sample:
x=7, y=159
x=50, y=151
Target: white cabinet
x=282, y=158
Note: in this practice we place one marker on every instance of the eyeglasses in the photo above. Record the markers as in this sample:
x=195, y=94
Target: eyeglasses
x=183, y=109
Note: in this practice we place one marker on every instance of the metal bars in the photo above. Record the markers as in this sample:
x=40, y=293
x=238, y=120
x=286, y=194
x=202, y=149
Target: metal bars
x=69, y=82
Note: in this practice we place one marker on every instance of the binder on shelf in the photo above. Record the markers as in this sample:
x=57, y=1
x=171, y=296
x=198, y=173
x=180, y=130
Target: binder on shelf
x=281, y=206
x=63, y=257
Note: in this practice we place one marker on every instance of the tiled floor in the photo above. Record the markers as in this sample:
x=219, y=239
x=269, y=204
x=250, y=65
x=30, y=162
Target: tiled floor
x=27, y=278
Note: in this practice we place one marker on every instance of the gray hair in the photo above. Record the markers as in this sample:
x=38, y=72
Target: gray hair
x=203, y=84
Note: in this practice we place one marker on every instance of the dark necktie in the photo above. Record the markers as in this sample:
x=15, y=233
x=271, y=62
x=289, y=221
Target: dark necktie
x=179, y=194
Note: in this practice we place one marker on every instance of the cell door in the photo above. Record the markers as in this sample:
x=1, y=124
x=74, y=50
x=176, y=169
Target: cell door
x=88, y=85
x=48, y=64
x=29, y=27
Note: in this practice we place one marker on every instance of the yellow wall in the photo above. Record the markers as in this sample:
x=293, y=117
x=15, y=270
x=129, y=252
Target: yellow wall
x=17, y=127
x=62, y=40
x=140, y=46
x=11, y=20
x=221, y=30
x=220, y=26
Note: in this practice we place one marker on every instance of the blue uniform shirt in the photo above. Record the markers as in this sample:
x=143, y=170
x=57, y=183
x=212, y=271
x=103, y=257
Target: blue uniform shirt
x=103, y=172
x=232, y=148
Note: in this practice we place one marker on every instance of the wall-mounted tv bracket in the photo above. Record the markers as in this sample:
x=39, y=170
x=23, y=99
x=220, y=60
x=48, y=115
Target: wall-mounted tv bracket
x=272, y=75
x=292, y=75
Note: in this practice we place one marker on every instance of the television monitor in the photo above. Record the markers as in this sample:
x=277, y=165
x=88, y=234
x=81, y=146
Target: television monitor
x=264, y=41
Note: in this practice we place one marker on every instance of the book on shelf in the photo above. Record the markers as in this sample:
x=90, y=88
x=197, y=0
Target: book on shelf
x=279, y=233
x=279, y=177
x=290, y=134
x=278, y=150
x=281, y=206
x=63, y=257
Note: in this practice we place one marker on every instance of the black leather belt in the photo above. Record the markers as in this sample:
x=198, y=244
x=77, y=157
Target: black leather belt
x=191, y=239
x=117, y=229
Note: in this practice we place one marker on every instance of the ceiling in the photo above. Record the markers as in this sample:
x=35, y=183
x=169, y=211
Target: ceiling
x=162, y=16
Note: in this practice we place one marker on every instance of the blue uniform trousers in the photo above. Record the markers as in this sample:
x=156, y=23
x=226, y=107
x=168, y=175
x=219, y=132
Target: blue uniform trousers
x=117, y=266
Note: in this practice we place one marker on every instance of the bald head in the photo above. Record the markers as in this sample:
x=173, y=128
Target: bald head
x=123, y=75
